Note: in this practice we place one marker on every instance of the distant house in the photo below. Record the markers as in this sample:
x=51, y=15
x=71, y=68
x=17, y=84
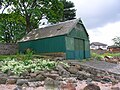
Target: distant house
x=114, y=48
x=70, y=38
x=98, y=45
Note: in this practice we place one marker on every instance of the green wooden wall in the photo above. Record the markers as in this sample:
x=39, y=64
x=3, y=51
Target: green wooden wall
x=46, y=45
x=77, y=43
x=79, y=32
x=77, y=48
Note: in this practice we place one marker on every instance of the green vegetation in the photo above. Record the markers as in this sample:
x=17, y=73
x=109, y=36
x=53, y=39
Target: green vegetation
x=69, y=12
x=101, y=56
x=19, y=67
x=35, y=10
x=12, y=27
x=18, y=64
x=27, y=56
x=116, y=41
x=96, y=56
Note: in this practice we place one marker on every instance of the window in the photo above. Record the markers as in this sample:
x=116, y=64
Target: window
x=92, y=46
x=103, y=46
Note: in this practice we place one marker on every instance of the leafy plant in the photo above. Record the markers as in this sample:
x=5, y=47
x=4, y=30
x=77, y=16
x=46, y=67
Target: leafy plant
x=18, y=67
x=29, y=54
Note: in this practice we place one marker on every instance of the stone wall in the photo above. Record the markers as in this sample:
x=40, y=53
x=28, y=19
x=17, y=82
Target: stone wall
x=8, y=49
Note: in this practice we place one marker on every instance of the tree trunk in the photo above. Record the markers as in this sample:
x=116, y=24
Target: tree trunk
x=28, y=24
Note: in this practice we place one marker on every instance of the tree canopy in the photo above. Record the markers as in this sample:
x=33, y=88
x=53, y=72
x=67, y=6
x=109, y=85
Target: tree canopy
x=69, y=12
x=12, y=27
x=116, y=41
x=0, y=4
x=34, y=10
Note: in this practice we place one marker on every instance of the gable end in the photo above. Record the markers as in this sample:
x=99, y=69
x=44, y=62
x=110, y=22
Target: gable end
x=79, y=31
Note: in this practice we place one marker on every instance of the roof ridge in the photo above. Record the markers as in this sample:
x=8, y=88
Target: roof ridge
x=59, y=23
x=98, y=43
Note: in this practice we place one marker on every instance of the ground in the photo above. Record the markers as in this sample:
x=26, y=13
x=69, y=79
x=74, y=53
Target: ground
x=98, y=67
x=80, y=86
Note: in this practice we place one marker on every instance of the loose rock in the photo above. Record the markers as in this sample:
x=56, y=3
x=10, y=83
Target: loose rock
x=115, y=88
x=20, y=82
x=62, y=71
x=51, y=84
x=3, y=80
x=33, y=75
x=53, y=76
x=83, y=75
x=73, y=70
x=11, y=81
x=40, y=77
x=35, y=84
x=69, y=85
x=92, y=87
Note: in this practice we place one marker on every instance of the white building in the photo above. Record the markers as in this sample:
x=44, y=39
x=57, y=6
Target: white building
x=98, y=45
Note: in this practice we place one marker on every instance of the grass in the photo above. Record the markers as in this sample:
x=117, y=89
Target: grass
x=101, y=56
x=22, y=56
x=2, y=57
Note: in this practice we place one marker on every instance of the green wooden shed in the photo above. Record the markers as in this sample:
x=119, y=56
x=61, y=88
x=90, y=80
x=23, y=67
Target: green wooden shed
x=70, y=38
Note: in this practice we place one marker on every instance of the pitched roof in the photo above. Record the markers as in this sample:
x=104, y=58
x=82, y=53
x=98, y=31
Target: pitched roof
x=51, y=31
x=98, y=44
x=113, y=46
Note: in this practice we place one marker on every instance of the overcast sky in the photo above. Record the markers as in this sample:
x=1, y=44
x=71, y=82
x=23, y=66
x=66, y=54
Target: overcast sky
x=101, y=18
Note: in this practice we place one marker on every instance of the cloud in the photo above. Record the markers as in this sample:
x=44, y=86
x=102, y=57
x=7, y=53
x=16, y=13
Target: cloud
x=96, y=13
x=105, y=34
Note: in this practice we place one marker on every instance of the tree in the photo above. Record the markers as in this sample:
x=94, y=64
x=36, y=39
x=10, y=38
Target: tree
x=12, y=27
x=34, y=10
x=116, y=41
x=69, y=11
x=0, y=4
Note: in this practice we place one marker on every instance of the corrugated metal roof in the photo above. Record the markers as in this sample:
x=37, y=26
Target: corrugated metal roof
x=51, y=31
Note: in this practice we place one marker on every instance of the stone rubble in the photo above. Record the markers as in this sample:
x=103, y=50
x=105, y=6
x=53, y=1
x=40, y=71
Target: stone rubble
x=61, y=78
